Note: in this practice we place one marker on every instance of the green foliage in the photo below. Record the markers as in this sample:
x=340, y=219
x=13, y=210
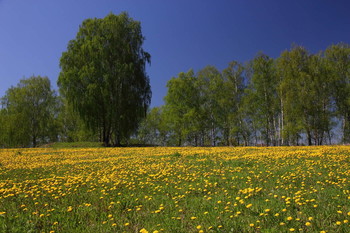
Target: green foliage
x=262, y=97
x=72, y=127
x=153, y=129
x=79, y=144
x=307, y=96
x=338, y=64
x=29, y=114
x=292, y=100
x=181, y=112
x=230, y=101
x=298, y=98
x=103, y=76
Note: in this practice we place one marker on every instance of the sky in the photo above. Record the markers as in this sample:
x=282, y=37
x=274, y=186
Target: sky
x=180, y=35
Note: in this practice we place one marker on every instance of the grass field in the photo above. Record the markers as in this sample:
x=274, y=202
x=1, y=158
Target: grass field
x=282, y=189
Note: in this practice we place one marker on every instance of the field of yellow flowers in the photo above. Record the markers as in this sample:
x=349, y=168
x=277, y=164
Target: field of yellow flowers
x=276, y=189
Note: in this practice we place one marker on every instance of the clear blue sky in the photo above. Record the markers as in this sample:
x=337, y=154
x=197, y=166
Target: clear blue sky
x=180, y=35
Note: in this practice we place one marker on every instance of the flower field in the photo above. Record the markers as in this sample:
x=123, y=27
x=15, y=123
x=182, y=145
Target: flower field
x=276, y=189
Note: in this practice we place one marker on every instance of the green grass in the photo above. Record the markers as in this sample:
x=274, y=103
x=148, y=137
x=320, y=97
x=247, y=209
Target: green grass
x=189, y=190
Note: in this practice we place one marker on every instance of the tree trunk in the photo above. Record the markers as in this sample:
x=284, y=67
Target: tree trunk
x=309, y=139
x=34, y=141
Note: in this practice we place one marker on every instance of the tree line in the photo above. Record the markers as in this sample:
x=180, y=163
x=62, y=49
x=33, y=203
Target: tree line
x=299, y=98
x=104, y=95
x=104, y=90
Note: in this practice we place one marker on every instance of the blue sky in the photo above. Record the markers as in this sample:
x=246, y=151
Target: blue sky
x=180, y=35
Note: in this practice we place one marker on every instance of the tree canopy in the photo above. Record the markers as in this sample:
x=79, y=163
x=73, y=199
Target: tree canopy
x=296, y=99
x=103, y=76
x=29, y=114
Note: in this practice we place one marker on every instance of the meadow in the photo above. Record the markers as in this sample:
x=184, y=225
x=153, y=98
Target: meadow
x=223, y=189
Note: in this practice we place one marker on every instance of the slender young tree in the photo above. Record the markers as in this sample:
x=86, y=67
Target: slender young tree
x=262, y=95
x=210, y=88
x=181, y=107
x=338, y=60
x=230, y=102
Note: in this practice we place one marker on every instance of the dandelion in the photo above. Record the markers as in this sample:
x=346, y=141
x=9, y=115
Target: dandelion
x=249, y=205
x=69, y=209
x=307, y=224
